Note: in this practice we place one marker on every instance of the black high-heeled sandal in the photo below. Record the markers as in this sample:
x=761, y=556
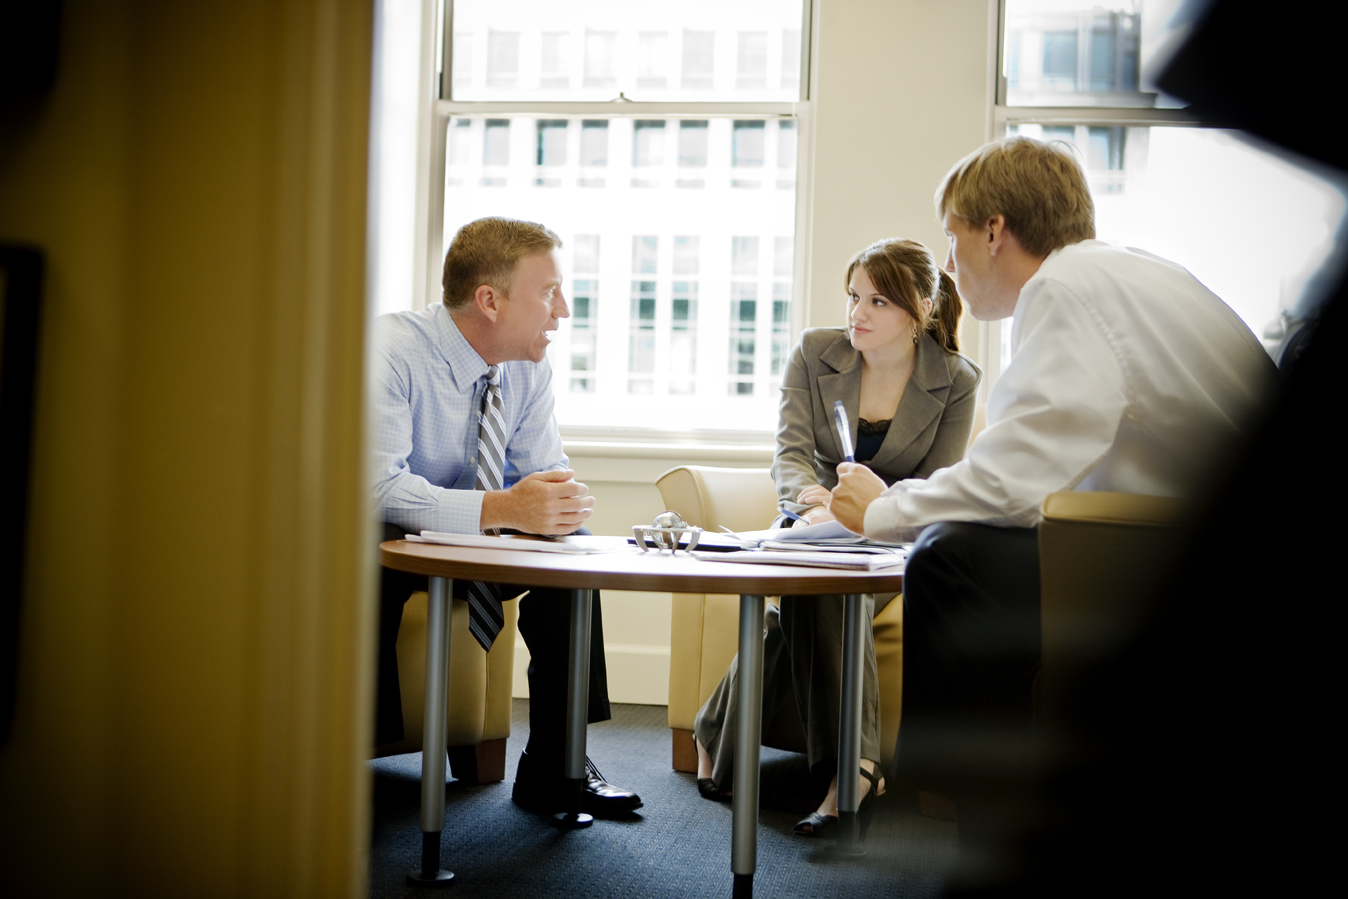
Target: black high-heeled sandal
x=823, y=826
x=707, y=789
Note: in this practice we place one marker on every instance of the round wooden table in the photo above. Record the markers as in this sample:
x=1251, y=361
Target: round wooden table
x=620, y=566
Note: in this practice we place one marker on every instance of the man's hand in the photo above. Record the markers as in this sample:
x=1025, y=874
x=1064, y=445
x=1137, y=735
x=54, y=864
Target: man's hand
x=857, y=488
x=816, y=494
x=545, y=502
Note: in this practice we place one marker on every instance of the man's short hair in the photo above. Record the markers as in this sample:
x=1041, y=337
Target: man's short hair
x=486, y=252
x=1037, y=187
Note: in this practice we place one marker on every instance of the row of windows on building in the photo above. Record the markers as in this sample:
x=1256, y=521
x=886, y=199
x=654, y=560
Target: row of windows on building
x=552, y=144
x=656, y=54
x=1091, y=51
x=670, y=318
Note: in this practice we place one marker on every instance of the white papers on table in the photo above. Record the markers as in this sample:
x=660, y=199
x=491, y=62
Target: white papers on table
x=854, y=561
x=825, y=534
x=508, y=541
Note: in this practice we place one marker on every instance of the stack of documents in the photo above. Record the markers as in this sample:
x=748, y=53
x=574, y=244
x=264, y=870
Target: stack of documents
x=812, y=557
x=827, y=545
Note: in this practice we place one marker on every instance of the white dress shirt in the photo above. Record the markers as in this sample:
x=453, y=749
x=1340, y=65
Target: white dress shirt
x=1128, y=375
x=428, y=384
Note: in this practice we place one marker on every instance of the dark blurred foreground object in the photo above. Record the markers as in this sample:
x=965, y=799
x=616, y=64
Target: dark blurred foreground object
x=1200, y=755
x=21, y=273
x=30, y=33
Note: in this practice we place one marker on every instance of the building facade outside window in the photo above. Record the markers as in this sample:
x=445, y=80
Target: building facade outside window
x=678, y=217
x=1083, y=73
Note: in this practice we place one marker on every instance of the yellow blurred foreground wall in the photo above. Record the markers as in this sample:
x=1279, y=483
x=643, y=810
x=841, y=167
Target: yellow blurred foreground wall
x=195, y=647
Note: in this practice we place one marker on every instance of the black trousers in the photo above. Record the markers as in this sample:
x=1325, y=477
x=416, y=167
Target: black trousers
x=971, y=648
x=545, y=624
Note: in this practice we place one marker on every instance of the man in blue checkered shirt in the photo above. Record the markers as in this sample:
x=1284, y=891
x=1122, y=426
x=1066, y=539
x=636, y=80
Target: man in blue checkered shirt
x=502, y=297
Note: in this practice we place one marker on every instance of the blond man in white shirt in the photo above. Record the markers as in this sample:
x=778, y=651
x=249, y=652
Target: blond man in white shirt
x=1127, y=375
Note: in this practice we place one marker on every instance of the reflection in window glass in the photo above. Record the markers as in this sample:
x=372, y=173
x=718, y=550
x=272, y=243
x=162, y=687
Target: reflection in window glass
x=790, y=58
x=552, y=66
x=459, y=151
x=503, y=58
x=786, y=145
x=644, y=251
x=693, y=144
x=1088, y=53
x=698, y=61
x=552, y=142
x=1104, y=148
x=743, y=332
x=782, y=248
x=752, y=67
x=648, y=145
x=584, y=323
x=585, y=253
x=683, y=338
x=652, y=54
x=685, y=255
x=781, y=325
x=594, y=142
x=599, y=70
x=1102, y=61
x=463, y=60
x=747, y=150
x=496, y=142
x=1060, y=61
x=641, y=339
x=744, y=256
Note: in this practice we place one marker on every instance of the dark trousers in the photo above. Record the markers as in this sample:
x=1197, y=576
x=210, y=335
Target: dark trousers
x=970, y=655
x=545, y=624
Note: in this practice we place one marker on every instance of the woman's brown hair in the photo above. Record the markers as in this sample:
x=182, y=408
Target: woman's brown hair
x=905, y=273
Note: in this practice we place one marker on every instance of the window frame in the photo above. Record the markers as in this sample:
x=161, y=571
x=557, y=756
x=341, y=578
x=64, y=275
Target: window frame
x=441, y=107
x=994, y=336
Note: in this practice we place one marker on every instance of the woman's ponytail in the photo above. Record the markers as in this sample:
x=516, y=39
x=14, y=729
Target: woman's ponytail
x=945, y=314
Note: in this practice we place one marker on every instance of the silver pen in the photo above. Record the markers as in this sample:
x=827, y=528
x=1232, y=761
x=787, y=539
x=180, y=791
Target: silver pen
x=844, y=430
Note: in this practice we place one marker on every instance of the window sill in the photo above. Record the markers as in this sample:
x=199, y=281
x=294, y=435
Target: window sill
x=632, y=459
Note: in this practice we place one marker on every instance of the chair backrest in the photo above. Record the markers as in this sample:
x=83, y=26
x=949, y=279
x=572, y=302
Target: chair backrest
x=1101, y=558
x=742, y=499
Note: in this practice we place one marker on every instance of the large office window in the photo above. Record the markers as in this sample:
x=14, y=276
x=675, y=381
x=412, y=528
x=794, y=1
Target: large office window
x=1248, y=224
x=677, y=211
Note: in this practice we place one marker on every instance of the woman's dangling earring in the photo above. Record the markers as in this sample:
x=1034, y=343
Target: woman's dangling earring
x=915, y=333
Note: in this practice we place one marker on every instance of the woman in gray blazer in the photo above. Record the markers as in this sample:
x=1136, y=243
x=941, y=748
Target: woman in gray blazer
x=897, y=369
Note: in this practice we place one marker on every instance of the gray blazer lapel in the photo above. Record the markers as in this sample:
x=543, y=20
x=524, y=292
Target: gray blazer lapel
x=843, y=383
x=911, y=432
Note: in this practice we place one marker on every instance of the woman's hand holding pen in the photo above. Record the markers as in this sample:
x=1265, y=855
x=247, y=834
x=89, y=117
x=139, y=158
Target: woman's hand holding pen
x=818, y=497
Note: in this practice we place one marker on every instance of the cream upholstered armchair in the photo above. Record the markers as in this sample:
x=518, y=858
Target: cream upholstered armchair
x=479, y=691
x=705, y=626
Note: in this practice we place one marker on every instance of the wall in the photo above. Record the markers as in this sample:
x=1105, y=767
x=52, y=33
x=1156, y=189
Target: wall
x=194, y=660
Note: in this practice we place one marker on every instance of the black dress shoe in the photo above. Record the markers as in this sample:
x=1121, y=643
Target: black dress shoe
x=546, y=795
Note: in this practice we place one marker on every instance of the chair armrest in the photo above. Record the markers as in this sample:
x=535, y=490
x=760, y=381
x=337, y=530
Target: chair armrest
x=1115, y=508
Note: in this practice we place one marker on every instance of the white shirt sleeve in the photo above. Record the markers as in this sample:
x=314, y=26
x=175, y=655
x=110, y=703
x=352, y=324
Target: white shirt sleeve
x=1052, y=416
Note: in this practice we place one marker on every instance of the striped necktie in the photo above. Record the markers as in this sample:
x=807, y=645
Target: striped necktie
x=485, y=618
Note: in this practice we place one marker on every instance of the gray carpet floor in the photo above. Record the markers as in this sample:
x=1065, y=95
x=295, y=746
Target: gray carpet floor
x=678, y=846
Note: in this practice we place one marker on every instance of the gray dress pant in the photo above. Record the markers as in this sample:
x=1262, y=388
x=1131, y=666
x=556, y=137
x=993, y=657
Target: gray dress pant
x=802, y=675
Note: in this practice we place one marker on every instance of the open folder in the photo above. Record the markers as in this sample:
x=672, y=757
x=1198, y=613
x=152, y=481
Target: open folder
x=854, y=561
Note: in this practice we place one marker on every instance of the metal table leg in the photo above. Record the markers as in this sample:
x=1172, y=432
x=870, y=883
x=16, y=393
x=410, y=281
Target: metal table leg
x=748, y=736
x=577, y=709
x=433, y=744
x=849, y=728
